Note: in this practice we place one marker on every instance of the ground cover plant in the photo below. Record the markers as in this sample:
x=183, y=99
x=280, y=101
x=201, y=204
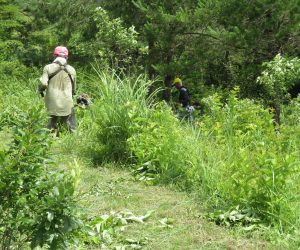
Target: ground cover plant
x=242, y=168
x=234, y=158
x=240, y=157
x=39, y=205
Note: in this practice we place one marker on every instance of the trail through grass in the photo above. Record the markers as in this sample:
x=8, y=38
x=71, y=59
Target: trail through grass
x=116, y=190
x=174, y=222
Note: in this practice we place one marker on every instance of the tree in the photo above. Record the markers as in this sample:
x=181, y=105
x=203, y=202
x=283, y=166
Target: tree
x=277, y=78
x=247, y=33
x=12, y=24
x=159, y=23
x=54, y=22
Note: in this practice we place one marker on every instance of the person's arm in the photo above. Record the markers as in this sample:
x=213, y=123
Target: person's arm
x=43, y=81
x=75, y=85
x=72, y=75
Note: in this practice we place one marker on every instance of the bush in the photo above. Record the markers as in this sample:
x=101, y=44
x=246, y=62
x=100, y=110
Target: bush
x=161, y=144
x=256, y=166
x=233, y=158
x=13, y=69
x=37, y=203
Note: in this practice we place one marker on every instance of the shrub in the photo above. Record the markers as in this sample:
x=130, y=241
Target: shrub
x=233, y=157
x=278, y=77
x=37, y=202
x=256, y=166
x=156, y=139
x=13, y=69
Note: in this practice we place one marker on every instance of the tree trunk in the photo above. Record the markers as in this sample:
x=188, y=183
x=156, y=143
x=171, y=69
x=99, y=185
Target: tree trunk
x=168, y=78
x=168, y=86
x=151, y=59
x=150, y=62
x=275, y=105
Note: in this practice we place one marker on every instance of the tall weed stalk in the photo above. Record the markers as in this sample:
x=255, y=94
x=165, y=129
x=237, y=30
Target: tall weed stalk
x=121, y=100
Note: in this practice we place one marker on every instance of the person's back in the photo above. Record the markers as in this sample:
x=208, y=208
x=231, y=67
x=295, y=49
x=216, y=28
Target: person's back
x=59, y=81
x=184, y=98
x=59, y=90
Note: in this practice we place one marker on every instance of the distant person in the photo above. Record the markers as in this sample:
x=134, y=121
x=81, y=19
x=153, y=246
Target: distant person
x=59, y=82
x=183, y=100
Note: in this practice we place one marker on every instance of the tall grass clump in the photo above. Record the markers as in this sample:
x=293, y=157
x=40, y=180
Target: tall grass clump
x=20, y=92
x=119, y=102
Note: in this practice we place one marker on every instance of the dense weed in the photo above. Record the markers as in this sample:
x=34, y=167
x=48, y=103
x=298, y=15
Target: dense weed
x=258, y=172
x=233, y=156
x=120, y=102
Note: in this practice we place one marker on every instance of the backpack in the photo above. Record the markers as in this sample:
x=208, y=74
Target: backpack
x=64, y=68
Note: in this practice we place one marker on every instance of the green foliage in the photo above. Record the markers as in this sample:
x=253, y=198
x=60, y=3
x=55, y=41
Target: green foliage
x=254, y=169
x=12, y=69
x=111, y=43
x=258, y=32
x=104, y=229
x=198, y=40
x=12, y=23
x=236, y=216
x=234, y=158
x=161, y=142
x=121, y=101
x=212, y=42
x=37, y=203
x=235, y=117
x=291, y=119
x=120, y=41
x=279, y=76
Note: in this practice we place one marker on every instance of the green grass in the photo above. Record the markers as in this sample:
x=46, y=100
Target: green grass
x=113, y=120
x=110, y=188
x=116, y=190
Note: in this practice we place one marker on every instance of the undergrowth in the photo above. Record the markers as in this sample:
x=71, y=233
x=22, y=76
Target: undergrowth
x=232, y=156
x=244, y=170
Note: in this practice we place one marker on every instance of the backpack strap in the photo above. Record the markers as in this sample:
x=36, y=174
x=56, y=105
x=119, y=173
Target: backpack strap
x=64, y=68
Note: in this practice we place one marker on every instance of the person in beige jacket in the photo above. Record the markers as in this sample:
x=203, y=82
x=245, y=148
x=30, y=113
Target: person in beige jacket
x=59, y=82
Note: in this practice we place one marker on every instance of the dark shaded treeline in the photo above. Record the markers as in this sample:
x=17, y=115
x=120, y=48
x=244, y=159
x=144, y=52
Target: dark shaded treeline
x=219, y=43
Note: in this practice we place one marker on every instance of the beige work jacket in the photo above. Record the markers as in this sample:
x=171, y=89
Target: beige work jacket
x=58, y=99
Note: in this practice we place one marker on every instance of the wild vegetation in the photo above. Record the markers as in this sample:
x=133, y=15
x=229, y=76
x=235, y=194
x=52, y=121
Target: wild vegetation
x=240, y=157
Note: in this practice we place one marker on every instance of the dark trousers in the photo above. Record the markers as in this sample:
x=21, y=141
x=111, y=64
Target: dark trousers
x=69, y=120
